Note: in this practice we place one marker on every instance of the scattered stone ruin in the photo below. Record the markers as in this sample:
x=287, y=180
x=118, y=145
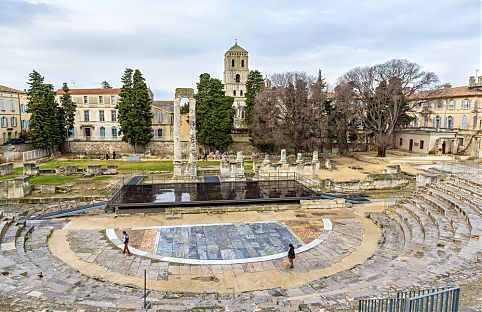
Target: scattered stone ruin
x=15, y=188
x=309, y=169
x=233, y=170
x=6, y=169
x=30, y=169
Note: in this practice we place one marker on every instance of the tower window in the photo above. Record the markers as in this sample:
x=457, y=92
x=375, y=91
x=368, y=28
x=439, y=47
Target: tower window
x=242, y=63
x=238, y=78
x=234, y=92
x=241, y=92
x=232, y=63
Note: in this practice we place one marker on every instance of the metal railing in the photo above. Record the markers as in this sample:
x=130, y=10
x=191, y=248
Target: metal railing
x=433, y=300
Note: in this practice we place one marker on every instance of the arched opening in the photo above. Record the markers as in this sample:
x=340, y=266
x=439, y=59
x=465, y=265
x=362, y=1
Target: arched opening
x=234, y=92
x=241, y=92
x=238, y=78
x=232, y=63
x=437, y=122
x=242, y=63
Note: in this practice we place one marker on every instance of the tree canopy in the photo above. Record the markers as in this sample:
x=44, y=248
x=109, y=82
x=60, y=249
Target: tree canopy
x=383, y=91
x=47, y=119
x=254, y=84
x=289, y=114
x=134, y=106
x=69, y=108
x=214, y=113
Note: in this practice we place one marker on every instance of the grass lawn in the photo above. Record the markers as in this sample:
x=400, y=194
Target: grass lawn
x=124, y=166
x=55, y=179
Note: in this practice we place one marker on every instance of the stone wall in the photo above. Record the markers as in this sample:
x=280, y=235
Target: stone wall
x=372, y=182
x=15, y=188
x=161, y=149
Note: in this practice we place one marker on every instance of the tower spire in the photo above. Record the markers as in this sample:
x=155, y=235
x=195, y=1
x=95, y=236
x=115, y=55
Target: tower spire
x=235, y=41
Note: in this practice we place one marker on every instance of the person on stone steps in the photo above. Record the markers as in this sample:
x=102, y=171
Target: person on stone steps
x=291, y=255
x=126, y=243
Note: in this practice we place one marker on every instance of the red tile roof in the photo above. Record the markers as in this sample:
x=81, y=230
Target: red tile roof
x=448, y=93
x=90, y=91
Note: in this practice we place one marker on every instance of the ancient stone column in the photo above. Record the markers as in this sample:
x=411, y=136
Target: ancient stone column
x=177, y=130
x=266, y=160
x=283, y=156
x=192, y=130
x=299, y=158
x=315, y=156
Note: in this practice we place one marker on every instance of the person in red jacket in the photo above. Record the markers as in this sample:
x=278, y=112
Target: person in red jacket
x=126, y=243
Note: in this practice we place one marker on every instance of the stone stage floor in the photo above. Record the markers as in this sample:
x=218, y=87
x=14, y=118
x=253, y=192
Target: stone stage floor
x=223, y=241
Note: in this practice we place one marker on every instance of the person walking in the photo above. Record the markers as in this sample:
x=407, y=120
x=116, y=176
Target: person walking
x=126, y=243
x=113, y=155
x=291, y=255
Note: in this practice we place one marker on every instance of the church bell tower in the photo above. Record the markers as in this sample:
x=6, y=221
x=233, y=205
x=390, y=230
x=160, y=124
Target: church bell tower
x=235, y=78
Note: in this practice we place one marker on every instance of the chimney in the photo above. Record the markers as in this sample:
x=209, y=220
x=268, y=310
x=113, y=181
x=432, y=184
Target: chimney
x=447, y=86
x=471, y=81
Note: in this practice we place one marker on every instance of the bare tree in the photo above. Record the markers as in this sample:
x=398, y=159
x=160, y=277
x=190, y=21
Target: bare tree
x=290, y=113
x=384, y=91
x=344, y=117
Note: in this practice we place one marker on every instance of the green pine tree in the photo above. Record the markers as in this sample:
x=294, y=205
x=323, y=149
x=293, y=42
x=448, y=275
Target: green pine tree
x=69, y=108
x=47, y=125
x=254, y=84
x=214, y=113
x=135, y=115
x=105, y=85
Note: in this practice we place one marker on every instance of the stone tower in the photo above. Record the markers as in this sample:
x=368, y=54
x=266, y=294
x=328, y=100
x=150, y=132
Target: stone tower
x=235, y=77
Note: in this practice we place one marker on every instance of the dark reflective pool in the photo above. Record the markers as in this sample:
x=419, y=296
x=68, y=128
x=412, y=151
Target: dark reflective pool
x=205, y=193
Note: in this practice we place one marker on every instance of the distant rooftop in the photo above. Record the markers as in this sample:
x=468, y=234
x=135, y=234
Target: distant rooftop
x=10, y=90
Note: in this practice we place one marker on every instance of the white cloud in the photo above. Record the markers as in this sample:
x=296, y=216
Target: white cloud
x=89, y=41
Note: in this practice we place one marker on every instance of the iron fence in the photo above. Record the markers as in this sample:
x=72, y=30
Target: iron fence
x=425, y=300
x=462, y=167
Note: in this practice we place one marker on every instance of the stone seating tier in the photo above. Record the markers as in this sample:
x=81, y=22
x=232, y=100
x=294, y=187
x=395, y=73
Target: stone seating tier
x=463, y=194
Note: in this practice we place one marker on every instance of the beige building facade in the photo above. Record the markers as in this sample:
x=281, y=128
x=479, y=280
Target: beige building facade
x=235, y=78
x=446, y=121
x=13, y=116
x=96, y=118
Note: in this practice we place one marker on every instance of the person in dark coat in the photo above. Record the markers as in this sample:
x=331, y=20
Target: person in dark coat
x=291, y=255
x=113, y=155
x=126, y=243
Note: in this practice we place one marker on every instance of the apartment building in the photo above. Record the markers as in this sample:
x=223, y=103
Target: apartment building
x=13, y=116
x=96, y=117
x=446, y=121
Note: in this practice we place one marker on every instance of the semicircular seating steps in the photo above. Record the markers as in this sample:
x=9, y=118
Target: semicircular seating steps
x=429, y=240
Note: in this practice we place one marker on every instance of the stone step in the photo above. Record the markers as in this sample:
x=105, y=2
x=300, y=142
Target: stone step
x=8, y=240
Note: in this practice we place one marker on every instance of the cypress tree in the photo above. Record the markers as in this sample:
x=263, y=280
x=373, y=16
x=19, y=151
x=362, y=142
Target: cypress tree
x=69, y=108
x=254, y=84
x=46, y=119
x=135, y=114
x=214, y=113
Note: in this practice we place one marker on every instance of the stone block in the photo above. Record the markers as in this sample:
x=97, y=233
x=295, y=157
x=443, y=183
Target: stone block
x=93, y=170
x=392, y=169
x=15, y=188
x=111, y=169
x=6, y=169
x=71, y=169
x=48, y=189
x=30, y=169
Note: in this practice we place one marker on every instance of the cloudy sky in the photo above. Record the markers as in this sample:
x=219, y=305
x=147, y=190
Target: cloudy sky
x=84, y=42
